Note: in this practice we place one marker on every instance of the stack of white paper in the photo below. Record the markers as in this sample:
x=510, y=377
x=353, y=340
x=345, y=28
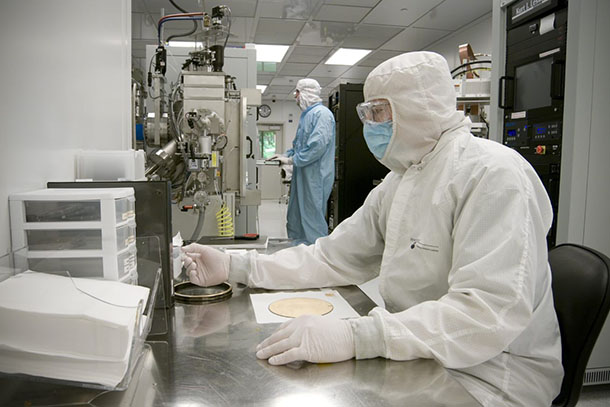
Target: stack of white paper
x=68, y=328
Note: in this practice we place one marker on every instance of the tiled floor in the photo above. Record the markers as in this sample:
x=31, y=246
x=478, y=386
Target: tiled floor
x=272, y=223
x=595, y=396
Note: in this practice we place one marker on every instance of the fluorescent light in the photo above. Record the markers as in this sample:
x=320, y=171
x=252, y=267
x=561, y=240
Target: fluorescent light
x=347, y=56
x=261, y=87
x=270, y=53
x=184, y=44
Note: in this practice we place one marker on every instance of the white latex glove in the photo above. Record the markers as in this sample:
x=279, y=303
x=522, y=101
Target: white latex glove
x=309, y=337
x=282, y=159
x=206, y=266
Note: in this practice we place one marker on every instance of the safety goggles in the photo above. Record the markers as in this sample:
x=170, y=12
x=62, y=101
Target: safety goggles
x=378, y=110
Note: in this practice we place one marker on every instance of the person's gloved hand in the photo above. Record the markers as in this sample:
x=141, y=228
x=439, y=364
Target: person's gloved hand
x=282, y=159
x=206, y=266
x=311, y=338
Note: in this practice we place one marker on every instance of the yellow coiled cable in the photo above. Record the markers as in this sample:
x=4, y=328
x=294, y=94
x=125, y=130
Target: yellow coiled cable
x=225, y=221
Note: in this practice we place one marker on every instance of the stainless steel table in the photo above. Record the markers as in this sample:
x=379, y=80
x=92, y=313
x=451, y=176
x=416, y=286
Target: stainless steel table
x=204, y=355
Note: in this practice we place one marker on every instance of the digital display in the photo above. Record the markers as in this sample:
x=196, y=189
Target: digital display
x=512, y=133
x=540, y=130
x=533, y=85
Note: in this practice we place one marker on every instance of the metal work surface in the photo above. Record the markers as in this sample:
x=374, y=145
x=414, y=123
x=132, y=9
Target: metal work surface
x=204, y=355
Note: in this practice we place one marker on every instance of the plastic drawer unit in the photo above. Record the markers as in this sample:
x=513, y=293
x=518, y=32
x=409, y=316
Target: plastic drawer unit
x=88, y=232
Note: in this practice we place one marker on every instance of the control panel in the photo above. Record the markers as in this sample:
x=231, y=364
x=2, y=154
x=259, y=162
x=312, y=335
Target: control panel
x=539, y=142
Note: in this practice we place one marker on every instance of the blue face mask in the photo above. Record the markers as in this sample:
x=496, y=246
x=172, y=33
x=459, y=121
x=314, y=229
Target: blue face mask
x=377, y=136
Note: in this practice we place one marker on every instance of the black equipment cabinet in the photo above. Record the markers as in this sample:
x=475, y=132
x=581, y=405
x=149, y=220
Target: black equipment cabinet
x=532, y=90
x=357, y=171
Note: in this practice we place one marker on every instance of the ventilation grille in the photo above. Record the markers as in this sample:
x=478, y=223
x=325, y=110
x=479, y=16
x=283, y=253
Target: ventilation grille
x=597, y=376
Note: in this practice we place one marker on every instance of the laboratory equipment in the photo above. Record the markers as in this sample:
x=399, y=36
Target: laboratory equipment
x=192, y=293
x=197, y=135
x=532, y=90
x=568, y=139
x=357, y=171
x=473, y=88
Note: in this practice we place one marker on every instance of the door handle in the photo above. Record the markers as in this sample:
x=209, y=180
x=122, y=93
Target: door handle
x=249, y=155
x=502, y=103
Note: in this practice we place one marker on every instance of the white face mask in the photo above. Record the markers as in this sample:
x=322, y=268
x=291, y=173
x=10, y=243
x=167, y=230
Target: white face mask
x=300, y=102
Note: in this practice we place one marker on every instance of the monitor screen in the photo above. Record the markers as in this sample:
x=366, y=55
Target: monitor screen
x=533, y=85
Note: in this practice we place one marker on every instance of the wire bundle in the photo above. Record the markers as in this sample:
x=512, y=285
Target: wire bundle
x=468, y=67
x=177, y=17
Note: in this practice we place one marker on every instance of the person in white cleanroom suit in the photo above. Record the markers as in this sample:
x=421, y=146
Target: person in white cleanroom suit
x=312, y=157
x=456, y=233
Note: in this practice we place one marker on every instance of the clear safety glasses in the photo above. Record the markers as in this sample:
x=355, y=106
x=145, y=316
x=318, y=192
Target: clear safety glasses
x=378, y=110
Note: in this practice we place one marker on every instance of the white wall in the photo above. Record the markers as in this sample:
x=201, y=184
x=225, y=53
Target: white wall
x=65, y=80
x=286, y=113
x=477, y=34
x=584, y=192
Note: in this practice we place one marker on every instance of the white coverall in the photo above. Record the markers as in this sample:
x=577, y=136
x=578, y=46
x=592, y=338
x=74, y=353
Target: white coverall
x=456, y=233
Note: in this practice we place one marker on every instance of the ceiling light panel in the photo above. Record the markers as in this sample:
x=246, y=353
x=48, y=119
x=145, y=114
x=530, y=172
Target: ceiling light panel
x=273, y=31
x=347, y=56
x=184, y=44
x=270, y=53
x=399, y=12
x=341, y=13
x=452, y=15
x=370, y=36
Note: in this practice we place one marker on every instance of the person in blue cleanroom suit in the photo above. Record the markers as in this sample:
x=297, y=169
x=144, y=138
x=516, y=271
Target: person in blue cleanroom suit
x=313, y=159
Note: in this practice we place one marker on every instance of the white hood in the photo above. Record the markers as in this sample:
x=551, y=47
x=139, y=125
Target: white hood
x=421, y=93
x=309, y=92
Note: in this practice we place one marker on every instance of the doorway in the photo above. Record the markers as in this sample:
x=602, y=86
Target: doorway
x=271, y=142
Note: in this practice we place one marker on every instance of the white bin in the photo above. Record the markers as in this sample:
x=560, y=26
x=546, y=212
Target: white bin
x=89, y=232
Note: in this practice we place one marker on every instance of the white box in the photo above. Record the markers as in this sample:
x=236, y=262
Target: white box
x=80, y=239
x=85, y=263
x=107, y=165
x=472, y=88
x=89, y=232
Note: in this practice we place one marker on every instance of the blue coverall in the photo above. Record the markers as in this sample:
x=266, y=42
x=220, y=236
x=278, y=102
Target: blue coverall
x=313, y=174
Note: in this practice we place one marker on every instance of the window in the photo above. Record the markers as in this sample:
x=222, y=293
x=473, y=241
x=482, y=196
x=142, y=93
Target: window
x=267, y=141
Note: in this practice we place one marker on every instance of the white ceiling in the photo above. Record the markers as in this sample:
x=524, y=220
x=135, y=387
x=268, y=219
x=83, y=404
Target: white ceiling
x=314, y=29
